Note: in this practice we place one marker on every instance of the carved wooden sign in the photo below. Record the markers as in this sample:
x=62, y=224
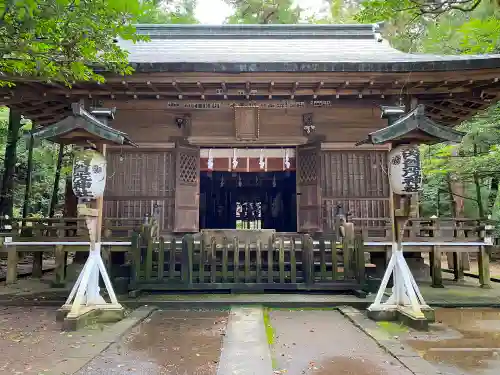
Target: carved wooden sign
x=246, y=122
x=264, y=104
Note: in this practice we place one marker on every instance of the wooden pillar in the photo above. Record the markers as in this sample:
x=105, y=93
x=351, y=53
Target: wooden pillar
x=11, y=265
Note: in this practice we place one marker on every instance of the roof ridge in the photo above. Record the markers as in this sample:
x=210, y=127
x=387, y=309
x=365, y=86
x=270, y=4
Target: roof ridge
x=252, y=31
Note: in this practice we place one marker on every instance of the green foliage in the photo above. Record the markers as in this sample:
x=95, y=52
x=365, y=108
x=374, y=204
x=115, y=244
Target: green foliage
x=44, y=162
x=340, y=11
x=61, y=40
x=460, y=27
x=264, y=12
x=169, y=11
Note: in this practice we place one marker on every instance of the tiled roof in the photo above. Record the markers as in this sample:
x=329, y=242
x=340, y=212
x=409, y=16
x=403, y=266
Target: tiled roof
x=268, y=47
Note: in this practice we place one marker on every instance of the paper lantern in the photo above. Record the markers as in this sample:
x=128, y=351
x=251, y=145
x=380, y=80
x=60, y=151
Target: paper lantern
x=405, y=175
x=89, y=174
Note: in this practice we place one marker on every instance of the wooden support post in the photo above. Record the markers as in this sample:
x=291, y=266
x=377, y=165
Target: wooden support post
x=437, y=274
x=187, y=258
x=60, y=272
x=37, y=270
x=213, y=260
x=270, y=268
x=12, y=259
x=458, y=267
x=293, y=262
x=258, y=255
x=308, y=258
x=360, y=259
x=484, y=266
x=236, y=260
x=135, y=249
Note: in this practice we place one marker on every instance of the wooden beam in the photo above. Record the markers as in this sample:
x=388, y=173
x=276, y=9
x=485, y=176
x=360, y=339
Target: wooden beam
x=51, y=120
x=319, y=86
x=151, y=86
x=446, y=111
x=298, y=92
x=176, y=86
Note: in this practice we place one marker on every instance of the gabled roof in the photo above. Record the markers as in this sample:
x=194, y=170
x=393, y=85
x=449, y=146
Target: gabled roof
x=82, y=126
x=302, y=47
x=413, y=127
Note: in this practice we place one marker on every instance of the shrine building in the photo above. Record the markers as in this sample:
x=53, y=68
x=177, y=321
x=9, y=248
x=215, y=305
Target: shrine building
x=257, y=126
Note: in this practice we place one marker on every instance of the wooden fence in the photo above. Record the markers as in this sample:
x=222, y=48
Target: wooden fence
x=283, y=263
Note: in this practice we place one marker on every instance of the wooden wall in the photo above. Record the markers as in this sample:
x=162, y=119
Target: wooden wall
x=137, y=180
x=357, y=180
x=344, y=121
x=141, y=178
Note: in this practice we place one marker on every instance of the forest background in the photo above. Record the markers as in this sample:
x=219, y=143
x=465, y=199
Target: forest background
x=440, y=26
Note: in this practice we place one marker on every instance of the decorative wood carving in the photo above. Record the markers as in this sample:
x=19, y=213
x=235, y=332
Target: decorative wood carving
x=308, y=123
x=246, y=122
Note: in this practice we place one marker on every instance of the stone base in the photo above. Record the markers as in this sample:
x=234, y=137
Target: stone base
x=88, y=316
x=404, y=316
x=382, y=315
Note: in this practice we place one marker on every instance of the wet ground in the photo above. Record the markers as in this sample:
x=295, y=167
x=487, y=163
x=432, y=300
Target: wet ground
x=31, y=341
x=325, y=343
x=167, y=343
x=463, y=341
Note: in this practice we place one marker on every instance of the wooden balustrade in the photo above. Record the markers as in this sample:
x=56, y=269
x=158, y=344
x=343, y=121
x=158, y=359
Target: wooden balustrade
x=285, y=262
x=291, y=261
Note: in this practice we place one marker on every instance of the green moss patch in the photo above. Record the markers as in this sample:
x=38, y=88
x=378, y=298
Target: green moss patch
x=392, y=328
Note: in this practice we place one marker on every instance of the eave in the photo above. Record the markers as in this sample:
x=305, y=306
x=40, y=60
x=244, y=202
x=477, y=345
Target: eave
x=414, y=127
x=450, y=98
x=82, y=126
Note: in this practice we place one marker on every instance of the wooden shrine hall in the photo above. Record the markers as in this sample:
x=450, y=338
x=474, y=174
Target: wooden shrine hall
x=256, y=127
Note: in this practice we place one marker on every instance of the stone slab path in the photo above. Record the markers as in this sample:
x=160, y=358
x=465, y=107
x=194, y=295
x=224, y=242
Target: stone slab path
x=326, y=343
x=246, y=348
x=167, y=343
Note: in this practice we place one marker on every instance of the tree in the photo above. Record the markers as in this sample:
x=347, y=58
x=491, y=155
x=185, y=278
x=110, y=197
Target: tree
x=264, y=12
x=388, y=9
x=61, y=40
x=169, y=11
x=463, y=27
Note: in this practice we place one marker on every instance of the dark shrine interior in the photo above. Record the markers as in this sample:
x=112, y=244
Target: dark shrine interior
x=248, y=200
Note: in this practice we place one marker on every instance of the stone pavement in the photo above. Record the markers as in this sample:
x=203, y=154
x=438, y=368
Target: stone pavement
x=326, y=343
x=169, y=343
x=250, y=341
x=463, y=341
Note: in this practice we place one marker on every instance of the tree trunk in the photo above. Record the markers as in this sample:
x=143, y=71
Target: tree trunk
x=492, y=196
x=57, y=178
x=453, y=203
x=7, y=191
x=27, y=189
x=477, y=184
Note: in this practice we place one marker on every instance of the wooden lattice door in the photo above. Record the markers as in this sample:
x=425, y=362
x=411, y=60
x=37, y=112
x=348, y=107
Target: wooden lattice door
x=309, y=188
x=187, y=188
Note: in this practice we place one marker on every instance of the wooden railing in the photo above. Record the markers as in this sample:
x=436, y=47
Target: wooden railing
x=292, y=261
x=425, y=230
x=283, y=263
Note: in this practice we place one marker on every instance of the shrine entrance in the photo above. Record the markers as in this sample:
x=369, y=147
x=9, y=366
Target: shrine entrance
x=248, y=189
x=248, y=200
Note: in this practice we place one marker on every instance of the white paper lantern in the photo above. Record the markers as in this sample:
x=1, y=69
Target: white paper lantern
x=405, y=174
x=89, y=174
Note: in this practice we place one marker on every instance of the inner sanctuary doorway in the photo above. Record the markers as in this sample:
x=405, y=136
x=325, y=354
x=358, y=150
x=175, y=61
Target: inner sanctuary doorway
x=248, y=189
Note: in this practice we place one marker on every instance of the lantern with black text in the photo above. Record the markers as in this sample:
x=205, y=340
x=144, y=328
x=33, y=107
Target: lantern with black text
x=405, y=173
x=89, y=174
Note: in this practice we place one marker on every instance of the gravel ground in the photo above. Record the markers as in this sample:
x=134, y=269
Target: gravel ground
x=31, y=341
